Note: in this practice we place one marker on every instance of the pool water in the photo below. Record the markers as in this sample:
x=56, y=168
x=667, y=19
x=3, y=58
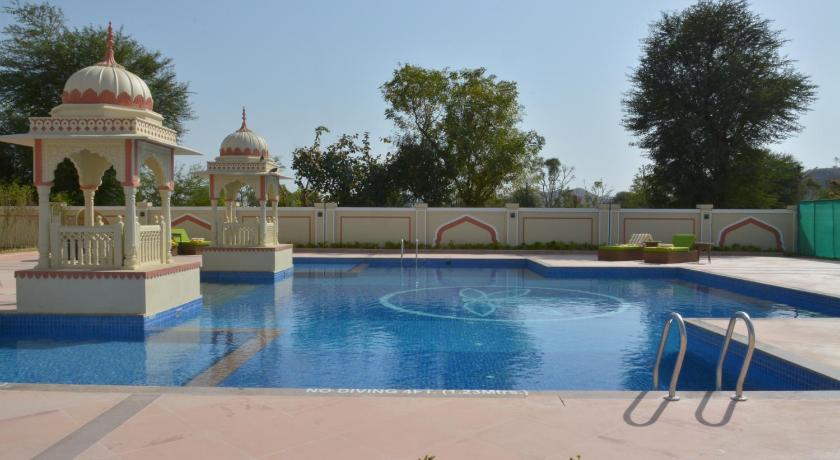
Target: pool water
x=345, y=325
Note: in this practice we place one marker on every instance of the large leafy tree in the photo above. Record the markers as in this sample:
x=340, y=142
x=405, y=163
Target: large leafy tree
x=38, y=52
x=467, y=120
x=711, y=92
x=345, y=172
x=420, y=170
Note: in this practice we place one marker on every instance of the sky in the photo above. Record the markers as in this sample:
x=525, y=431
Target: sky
x=298, y=65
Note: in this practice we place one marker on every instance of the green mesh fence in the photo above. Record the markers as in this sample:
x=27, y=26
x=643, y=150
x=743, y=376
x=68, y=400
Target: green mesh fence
x=819, y=229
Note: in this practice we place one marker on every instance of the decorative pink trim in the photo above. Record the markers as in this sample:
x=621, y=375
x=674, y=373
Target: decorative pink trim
x=245, y=152
x=193, y=219
x=88, y=187
x=47, y=125
x=38, y=161
x=590, y=219
x=282, y=247
x=309, y=232
x=106, y=97
x=171, y=169
x=129, y=179
x=462, y=220
x=105, y=274
x=109, y=59
x=368, y=218
x=135, y=170
x=752, y=221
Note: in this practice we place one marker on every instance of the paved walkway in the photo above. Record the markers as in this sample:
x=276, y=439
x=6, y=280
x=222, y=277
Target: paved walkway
x=232, y=425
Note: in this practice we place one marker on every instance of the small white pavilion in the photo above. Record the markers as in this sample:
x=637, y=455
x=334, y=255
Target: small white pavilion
x=106, y=119
x=245, y=250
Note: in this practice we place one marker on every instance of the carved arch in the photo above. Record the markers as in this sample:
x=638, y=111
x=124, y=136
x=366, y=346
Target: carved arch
x=191, y=218
x=54, y=152
x=465, y=220
x=777, y=234
x=160, y=161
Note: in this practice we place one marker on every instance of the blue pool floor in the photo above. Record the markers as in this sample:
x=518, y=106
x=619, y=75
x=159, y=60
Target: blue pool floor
x=434, y=327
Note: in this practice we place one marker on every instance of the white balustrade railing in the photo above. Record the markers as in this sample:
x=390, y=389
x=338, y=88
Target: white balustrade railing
x=76, y=246
x=150, y=247
x=240, y=234
x=270, y=236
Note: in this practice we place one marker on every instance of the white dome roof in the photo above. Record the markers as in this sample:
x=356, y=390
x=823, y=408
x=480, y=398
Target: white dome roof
x=107, y=83
x=244, y=142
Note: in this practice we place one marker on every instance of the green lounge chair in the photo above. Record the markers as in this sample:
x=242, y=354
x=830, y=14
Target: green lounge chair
x=680, y=250
x=187, y=245
x=632, y=250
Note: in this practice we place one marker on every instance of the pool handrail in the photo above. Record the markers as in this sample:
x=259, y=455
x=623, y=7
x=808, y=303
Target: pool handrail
x=675, y=375
x=739, y=386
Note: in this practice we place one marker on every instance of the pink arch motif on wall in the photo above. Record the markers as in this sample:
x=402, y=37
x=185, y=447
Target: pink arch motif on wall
x=777, y=234
x=464, y=220
x=193, y=219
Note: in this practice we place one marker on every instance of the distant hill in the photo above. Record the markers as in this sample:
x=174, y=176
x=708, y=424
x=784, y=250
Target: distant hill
x=820, y=176
x=823, y=175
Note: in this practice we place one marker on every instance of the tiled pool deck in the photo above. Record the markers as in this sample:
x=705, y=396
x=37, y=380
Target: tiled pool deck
x=146, y=422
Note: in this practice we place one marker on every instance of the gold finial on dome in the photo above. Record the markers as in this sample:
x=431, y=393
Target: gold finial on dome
x=109, y=51
x=244, y=126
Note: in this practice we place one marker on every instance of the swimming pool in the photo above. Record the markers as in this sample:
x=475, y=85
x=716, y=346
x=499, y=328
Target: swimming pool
x=505, y=324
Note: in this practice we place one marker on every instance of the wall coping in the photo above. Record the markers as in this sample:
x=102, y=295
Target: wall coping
x=107, y=274
x=460, y=209
x=278, y=248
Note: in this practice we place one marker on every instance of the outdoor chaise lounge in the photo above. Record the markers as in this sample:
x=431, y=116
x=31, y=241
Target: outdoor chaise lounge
x=632, y=250
x=681, y=250
x=186, y=245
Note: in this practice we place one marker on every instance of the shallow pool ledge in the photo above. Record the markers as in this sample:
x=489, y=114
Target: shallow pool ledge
x=804, y=351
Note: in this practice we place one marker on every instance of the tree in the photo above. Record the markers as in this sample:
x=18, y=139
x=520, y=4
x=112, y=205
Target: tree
x=191, y=189
x=554, y=181
x=597, y=194
x=771, y=180
x=345, y=172
x=639, y=194
x=524, y=186
x=38, y=53
x=467, y=119
x=422, y=172
x=307, y=163
x=711, y=91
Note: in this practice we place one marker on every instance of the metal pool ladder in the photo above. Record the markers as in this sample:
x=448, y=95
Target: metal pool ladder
x=675, y=376
x=402, y=247
x=739, y=387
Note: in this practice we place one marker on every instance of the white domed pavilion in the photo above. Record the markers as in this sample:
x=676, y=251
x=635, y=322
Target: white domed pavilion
x=239, y=245
x=106, y=119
